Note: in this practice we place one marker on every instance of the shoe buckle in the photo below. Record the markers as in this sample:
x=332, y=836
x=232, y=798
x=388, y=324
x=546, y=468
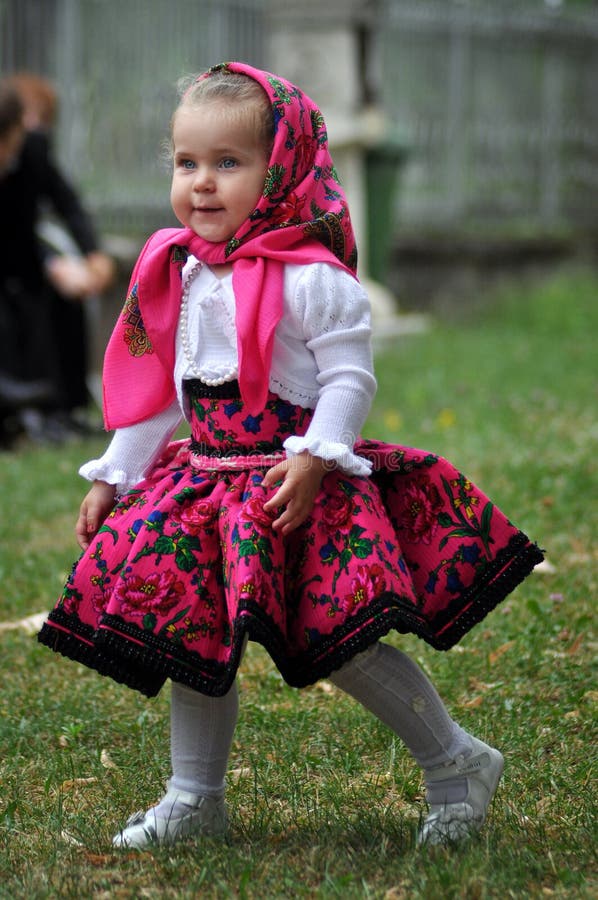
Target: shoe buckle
x=473, y=764
x=135, y=819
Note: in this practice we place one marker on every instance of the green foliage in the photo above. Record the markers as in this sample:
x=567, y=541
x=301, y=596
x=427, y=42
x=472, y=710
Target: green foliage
x=324, y=801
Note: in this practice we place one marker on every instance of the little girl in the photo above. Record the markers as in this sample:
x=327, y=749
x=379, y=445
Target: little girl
x=274, y=522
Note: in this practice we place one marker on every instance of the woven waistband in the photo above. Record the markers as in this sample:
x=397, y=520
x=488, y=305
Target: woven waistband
x=229, y=463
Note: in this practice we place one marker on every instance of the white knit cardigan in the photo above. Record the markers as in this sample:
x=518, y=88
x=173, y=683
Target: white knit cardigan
x=321, y=360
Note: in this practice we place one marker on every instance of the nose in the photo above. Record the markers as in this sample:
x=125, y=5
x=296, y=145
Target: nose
x=203, y=179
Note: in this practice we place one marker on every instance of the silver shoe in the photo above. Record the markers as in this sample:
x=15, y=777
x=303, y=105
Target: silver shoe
x=206, y=816
x=450, y=822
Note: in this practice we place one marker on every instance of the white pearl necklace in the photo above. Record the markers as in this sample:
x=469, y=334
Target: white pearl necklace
x=230, y=371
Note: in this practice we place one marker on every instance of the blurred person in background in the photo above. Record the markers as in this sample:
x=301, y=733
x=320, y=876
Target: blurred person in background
x=43, y=335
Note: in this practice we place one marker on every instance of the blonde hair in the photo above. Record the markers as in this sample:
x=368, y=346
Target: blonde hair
x=231, y=88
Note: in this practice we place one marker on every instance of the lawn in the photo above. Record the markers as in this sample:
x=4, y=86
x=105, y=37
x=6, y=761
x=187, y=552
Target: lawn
x=324, y=801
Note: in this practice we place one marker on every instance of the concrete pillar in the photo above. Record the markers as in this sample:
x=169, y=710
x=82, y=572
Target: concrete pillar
x=319, y=47
x=323, y=47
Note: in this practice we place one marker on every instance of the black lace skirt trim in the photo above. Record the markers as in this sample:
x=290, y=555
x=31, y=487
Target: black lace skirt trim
x=509, y=568
x=144, y=662
x=77, y=643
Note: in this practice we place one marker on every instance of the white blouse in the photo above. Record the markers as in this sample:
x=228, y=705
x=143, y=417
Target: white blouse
x=321, y=360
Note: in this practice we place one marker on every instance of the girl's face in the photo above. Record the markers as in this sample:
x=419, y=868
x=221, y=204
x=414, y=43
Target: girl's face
x=219, y=169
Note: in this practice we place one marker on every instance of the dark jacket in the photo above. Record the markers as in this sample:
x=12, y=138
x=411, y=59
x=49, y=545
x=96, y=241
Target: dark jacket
x=35, y=183
x=42, y=335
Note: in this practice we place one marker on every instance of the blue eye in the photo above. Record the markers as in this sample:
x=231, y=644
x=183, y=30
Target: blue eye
x=228, y=163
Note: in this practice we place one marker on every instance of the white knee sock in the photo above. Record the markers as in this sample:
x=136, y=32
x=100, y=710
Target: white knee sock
x=201, y=734
x=393, y=687
x=383, y=679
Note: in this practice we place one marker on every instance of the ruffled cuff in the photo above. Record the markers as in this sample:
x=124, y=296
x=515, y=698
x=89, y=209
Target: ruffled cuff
x=338, y=453
x=100, y=470
x=133, y=450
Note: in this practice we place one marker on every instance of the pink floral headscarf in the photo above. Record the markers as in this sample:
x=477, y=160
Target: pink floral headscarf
x=302, y=194
x=302, y=217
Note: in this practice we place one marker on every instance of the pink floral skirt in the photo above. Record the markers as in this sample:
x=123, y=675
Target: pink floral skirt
x=187, y=564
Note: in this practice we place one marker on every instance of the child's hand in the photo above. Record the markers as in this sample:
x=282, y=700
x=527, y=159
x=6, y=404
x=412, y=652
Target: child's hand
x=302, y=476
x=94, y=509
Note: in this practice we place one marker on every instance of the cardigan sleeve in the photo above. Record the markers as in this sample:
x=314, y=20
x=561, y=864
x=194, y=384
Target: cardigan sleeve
x=337, y=330
x=134, y=449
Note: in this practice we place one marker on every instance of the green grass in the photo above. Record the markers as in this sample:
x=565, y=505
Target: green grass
x=324, y=801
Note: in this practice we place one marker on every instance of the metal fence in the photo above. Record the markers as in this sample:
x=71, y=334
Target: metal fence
x=494, y=101
x=496, y=104
x=116, y=64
